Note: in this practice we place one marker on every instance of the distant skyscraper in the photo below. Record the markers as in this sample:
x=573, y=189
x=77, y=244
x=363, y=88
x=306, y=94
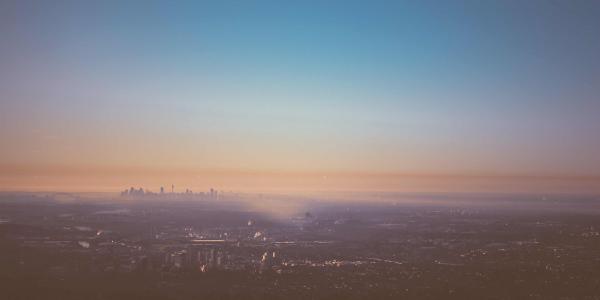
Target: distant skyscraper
x=172, y=188
x=162, y=190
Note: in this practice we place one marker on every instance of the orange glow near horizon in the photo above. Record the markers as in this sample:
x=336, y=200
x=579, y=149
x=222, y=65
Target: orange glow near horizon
x=250, y=97
x=105, y=179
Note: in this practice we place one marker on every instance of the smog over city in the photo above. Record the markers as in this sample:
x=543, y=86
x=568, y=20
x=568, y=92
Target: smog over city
x=299, y=149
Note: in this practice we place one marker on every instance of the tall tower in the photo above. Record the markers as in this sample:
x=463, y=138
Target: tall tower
x=172, y=188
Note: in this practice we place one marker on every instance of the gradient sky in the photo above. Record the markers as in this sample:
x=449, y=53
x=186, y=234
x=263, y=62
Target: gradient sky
x=457, y=88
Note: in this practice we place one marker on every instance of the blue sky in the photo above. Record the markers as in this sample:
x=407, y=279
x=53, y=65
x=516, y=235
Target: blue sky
x=453, y=87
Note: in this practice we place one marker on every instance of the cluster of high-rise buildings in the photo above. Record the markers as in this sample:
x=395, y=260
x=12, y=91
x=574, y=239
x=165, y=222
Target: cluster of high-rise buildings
x=199, y=259
x=212, y=193
x=195, y=258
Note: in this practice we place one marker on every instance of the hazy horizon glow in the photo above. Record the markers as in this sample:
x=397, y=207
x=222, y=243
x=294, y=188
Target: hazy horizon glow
x=309, y=95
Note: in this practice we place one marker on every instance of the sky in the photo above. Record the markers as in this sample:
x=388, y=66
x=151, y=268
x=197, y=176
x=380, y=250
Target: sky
x=96, y=95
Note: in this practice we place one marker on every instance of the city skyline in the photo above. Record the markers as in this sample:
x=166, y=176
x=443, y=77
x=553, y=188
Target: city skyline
x=263, y=149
